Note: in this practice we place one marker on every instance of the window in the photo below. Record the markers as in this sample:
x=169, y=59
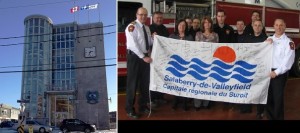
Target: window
x=72, y=44
x=42, y=30
x=63, y=45
x=36, y=30
x=67, y=29
x=42, y=23
x=31, y=22
x=63, y=30
x=126, y=14
x=71, y=29
x=36, y=21
x=30, y=30
x=58, y=45
x=62, y=37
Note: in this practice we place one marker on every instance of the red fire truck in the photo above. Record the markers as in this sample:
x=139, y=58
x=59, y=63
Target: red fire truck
x=235, y=9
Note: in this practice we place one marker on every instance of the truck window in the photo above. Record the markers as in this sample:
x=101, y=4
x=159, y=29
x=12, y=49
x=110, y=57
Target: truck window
x=126, y=14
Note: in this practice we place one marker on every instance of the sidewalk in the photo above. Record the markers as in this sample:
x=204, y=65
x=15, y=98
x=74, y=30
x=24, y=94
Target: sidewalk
x=56, y=130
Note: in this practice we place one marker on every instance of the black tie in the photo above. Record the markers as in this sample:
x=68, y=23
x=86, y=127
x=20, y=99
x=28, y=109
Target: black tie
x=146, y=38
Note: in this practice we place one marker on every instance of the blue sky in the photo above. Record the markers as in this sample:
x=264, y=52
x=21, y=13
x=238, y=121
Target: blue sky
x=13, y=12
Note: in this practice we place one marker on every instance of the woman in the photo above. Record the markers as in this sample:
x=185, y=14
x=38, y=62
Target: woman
x=206, y=35
x=181, y=33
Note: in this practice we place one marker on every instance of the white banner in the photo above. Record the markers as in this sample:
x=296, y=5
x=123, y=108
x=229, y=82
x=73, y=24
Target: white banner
x=229, y=72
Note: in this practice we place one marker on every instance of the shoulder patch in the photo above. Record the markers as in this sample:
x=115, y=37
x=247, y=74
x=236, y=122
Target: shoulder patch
x=133, y=22
x=131, y=28
x=292, y=46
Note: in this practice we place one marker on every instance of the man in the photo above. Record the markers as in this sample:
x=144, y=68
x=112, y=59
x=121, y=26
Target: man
x=224, y=31
x=257, y=36
x=195, y=27
x=157, y=28
x=283, y=59
x=249, y=28
x=239, y=35
x=139, y=40
x=189, y=22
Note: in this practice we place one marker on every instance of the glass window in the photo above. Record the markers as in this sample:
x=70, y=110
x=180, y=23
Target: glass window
x=58, y=30
x=67, y=29
x=72, y=59
x=42, y=30
x=41, y=46
x=67, y=45
x=42, y=23
x=63, y=75
x=53, y=46
x=63, y=45
x=72, y=29
x=42, y=38
x=72, y=36
x=36, y=21
x=62, y=37
x=63, y=30
x=31, y=22
x=67, y=36
x=36, y=30
x=72, y=44
x=53, y=53
x=57, y=52
x=58, y=60
x=68, y=52
x=57, y=76
x=54, y=31
x=53, y=38
x=58, y=45
x=30, y=30
x=57, y=37
x=62, y=59
x=68, y=60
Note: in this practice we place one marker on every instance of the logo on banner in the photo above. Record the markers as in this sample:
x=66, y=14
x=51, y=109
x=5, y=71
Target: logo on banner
x=223, y=67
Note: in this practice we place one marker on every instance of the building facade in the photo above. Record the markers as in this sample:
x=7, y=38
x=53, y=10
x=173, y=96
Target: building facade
x=8, y=112
x=65, y=74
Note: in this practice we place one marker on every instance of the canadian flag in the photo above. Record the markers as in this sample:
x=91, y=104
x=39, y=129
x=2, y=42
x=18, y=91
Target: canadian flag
x=74, y=9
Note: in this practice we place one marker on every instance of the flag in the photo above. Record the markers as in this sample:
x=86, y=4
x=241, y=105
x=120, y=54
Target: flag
x=229, y=72
x=74, y=9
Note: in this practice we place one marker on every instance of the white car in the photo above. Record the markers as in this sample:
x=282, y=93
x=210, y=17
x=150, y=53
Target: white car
x=37, y=127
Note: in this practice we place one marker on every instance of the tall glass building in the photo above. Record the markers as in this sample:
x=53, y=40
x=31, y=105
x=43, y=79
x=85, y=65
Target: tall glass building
x=55, y=88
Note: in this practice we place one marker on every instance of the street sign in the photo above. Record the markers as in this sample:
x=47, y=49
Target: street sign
x=23, y=101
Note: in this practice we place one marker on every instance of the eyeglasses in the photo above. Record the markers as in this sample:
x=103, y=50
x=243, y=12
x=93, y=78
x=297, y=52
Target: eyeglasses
x=143, y=15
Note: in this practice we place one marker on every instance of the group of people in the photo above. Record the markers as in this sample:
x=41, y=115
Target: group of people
x=139, y=45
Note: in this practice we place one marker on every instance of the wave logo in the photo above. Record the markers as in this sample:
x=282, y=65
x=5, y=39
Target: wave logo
x=222, y=68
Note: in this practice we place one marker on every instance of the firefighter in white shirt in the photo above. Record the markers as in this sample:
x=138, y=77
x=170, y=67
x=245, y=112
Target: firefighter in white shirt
x=139, y=42
x=283, y=59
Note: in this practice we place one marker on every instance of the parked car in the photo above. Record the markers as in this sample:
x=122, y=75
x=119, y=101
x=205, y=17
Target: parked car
x=37, y=127
x=68, y=125
x=6, y=124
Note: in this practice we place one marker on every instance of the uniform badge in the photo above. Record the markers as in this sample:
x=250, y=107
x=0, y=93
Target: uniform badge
x=227, y=31
x=131, y=28
x=292, y=46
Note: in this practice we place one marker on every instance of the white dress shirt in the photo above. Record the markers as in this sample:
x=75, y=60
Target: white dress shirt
x=135, y=39
x=283, y=55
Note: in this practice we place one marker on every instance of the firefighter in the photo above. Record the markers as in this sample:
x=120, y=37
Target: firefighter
x=139, y=41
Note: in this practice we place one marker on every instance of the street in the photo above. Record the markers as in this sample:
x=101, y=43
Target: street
x=9, y=130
